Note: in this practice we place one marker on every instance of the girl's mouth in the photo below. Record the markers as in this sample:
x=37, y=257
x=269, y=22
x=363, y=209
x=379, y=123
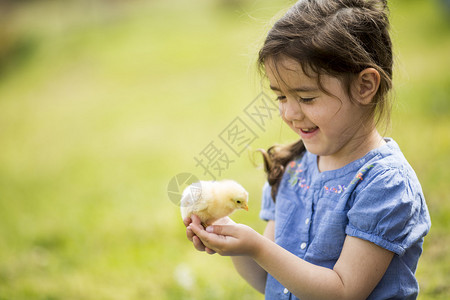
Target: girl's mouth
x=308, y=133
x=309, y=130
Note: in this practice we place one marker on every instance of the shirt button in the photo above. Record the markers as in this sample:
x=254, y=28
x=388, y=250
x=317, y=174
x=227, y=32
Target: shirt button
x=303, y=246
x=286, y=291
x=307, y=221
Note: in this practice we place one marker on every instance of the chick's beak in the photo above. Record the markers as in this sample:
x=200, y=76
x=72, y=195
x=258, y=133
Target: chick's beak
x=245, y=207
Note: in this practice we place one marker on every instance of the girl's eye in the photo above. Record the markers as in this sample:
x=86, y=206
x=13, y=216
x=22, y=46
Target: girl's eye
x=300, y=99
x=306, y=100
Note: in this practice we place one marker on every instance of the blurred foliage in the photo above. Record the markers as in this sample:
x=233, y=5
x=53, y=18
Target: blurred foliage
x=103, y=102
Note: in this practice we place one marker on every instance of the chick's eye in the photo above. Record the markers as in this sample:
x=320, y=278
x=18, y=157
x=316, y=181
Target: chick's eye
x=238, y=202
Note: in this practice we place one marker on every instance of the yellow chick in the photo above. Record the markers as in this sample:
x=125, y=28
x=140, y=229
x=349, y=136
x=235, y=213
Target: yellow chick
x=212, y=200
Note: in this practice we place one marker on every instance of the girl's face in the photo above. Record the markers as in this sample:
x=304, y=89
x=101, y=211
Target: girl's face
x=330, y=125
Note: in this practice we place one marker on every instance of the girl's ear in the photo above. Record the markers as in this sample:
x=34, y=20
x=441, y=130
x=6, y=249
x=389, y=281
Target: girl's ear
x=366, y=85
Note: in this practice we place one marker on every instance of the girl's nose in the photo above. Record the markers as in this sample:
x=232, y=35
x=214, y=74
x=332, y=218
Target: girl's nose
x=291, y=110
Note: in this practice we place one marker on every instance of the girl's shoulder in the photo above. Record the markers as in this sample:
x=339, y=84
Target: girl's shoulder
x=387, y=162
x=385, y=202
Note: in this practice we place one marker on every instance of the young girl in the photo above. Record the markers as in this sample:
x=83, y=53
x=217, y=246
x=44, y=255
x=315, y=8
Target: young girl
x=346, y=213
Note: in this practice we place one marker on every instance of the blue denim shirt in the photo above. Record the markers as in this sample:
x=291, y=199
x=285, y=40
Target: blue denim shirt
x=377, y=198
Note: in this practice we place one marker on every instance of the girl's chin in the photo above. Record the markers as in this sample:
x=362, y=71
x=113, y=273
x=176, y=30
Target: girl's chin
x=314, y=148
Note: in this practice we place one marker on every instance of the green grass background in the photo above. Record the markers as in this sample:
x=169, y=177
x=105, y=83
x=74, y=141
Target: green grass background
x=102, y=103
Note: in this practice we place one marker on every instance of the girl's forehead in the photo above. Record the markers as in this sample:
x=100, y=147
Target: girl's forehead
x=288, y=76
x=286, y=73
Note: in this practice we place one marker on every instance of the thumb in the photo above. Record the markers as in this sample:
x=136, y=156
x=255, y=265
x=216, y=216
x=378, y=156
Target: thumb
x=222, y=229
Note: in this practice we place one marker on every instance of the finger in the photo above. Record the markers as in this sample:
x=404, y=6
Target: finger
x=224, y=221
x=189, y=233
x=187, y=221
x=196, y=220
x=197, y=229
x=200, y=232
x=222, y=229
x=210, y=251
x=209, y=240
x=198, y=243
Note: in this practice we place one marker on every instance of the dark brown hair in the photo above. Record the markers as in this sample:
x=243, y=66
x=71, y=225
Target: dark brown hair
x=340, y=38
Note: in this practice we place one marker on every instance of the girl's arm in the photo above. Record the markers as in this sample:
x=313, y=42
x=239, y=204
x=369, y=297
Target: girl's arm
x=249, y=269
x=358, y=270
x=245, y=265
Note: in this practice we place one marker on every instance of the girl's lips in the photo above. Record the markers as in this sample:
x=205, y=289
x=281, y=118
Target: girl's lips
x=308, y=132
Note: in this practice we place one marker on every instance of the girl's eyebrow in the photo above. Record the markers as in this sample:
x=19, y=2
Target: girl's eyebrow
x=299, y=89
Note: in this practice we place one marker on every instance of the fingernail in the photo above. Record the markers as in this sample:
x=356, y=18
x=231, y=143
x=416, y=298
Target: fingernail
x=209, y=229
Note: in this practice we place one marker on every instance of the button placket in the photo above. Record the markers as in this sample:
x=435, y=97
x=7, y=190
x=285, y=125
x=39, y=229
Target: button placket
x=304, y=244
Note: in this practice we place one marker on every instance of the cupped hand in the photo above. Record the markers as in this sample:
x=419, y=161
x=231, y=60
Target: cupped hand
x=229, y=239
x=198, y=244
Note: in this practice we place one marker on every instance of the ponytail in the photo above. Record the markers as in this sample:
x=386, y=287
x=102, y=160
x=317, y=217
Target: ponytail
x=275, y=160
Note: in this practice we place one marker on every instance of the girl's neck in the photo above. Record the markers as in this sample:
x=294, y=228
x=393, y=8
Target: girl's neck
x=353, y=151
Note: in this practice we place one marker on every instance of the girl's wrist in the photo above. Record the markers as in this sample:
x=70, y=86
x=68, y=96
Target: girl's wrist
x=258, y=246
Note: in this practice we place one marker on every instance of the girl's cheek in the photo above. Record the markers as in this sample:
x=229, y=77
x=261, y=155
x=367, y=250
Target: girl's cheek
x=283, y=116
x=281, y=109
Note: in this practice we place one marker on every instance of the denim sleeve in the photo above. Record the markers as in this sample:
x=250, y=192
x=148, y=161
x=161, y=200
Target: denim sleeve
x=389, y=210
x=267, y=204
